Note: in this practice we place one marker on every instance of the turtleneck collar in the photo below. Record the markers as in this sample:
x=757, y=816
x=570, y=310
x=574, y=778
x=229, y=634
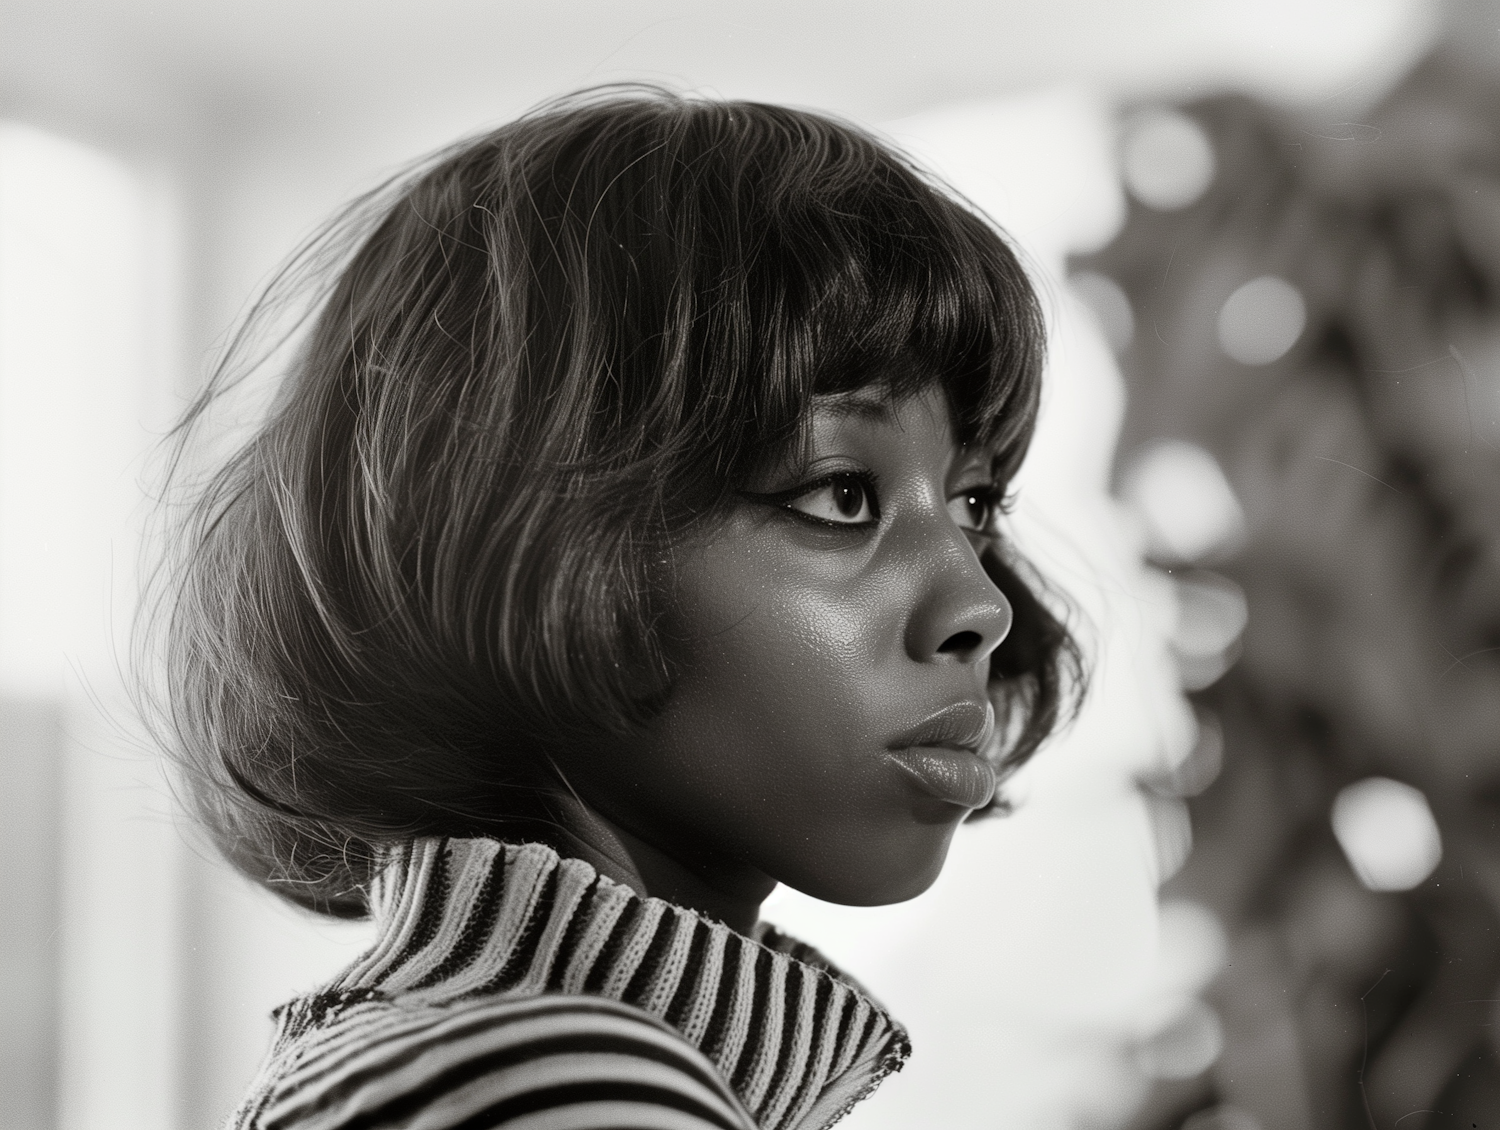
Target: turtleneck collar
x=797, y=1040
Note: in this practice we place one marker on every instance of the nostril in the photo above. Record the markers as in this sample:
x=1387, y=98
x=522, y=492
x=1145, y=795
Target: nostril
x=961, y=643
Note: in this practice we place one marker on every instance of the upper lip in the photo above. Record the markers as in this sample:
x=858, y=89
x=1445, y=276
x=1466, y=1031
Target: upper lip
x=962, y=725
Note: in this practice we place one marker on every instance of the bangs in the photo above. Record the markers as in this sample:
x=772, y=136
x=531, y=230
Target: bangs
x=844, y=267
x=904, y=306
x=931, y=308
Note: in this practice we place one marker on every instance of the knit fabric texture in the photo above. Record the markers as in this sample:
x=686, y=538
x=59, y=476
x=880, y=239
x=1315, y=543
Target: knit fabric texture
x=508, y=949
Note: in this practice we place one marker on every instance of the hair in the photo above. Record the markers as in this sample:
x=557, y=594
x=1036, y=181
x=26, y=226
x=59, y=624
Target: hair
x=538, y=361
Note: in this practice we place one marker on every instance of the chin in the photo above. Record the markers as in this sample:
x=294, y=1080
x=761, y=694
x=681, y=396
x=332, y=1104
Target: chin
x=882, y=878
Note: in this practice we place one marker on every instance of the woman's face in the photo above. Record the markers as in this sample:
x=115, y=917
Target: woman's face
x=834, y=638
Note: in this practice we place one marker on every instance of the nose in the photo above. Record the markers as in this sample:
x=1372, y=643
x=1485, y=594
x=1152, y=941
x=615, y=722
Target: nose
x=961, y=616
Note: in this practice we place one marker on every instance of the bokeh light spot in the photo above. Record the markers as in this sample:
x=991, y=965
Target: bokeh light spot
x=1167, y=159
x=1262, y=320
x=1212, y=612
x=1387, y=832
x=1200, y=766
x=1186, y=1047
x=1184, y=499
x=1194, y=945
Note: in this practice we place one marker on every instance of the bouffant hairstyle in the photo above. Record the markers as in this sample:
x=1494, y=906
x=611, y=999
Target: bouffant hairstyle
x=537, y=362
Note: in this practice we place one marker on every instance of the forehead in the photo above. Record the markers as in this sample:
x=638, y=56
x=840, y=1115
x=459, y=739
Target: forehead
x=921, y=419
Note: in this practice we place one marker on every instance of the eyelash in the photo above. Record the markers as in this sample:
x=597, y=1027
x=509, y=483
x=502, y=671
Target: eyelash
x=993, y=497
x=780, y=498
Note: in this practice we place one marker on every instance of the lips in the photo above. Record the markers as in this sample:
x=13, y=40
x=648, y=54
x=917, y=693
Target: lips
x=941, y=756
x=963, y=725
x=955, y=776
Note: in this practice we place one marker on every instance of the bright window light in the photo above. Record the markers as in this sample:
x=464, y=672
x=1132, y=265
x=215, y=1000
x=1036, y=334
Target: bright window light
x=72, y=357
x=85, y=255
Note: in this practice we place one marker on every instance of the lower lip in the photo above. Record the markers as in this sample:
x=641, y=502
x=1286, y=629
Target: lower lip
x=956, y=776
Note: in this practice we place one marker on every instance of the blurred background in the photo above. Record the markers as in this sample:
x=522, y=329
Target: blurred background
x=1256, y=886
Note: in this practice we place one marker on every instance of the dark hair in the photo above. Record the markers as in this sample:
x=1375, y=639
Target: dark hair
x=550, y=353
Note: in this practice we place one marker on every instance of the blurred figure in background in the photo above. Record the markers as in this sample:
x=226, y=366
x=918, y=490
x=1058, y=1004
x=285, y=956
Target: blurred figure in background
x=1308, y=318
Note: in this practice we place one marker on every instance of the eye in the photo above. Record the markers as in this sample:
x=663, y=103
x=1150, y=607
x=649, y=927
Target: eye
x=973, y=509
x=841, y=500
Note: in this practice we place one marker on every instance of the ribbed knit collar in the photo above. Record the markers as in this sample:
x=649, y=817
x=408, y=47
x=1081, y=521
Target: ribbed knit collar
x=798, y=1041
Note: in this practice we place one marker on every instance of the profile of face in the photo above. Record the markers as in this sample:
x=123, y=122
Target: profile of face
x=830, y=720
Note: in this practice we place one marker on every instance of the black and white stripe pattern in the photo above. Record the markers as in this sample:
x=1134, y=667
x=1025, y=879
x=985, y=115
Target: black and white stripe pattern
x=512, y=988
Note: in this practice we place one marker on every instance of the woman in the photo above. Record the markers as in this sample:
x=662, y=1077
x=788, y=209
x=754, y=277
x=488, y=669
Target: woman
x=622, y=542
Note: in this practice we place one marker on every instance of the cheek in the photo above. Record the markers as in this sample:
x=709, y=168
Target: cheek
x=791, y=678
x=771, y=748
x=770, y=640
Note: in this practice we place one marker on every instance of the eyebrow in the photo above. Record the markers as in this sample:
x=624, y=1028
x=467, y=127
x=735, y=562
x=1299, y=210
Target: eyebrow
x=857, y=405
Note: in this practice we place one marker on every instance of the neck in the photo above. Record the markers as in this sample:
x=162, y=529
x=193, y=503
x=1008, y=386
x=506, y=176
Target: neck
x=730, y=892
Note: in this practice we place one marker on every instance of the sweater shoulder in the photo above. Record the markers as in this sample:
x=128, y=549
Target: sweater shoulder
x=544, y=1063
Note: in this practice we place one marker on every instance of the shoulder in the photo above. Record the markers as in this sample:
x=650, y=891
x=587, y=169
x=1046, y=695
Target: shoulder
x=546, y=1063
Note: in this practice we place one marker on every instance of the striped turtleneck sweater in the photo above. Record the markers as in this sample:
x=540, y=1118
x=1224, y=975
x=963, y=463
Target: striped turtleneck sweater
x=511, y=988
